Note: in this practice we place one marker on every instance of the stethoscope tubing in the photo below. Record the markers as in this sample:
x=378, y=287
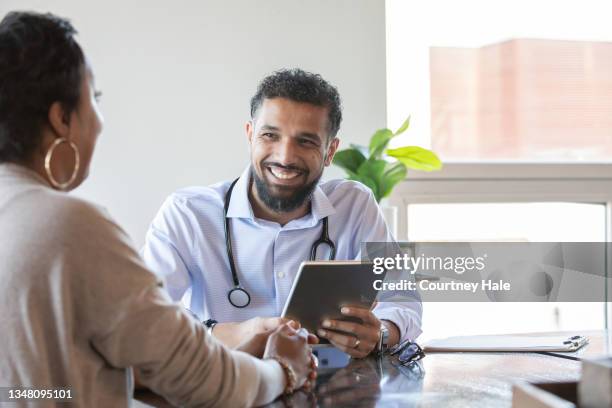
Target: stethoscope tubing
x=239, y=291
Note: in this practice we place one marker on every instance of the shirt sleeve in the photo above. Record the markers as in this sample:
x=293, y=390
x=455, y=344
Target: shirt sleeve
x=407, y=314
x=130, y=321
x=166, y=249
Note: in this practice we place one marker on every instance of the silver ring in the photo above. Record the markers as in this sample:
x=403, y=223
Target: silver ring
x=357, y=343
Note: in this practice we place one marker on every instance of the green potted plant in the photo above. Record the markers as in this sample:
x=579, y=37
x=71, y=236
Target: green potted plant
x=381, y=168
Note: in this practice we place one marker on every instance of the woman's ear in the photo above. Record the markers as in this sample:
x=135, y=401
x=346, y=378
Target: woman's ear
x=59, y=120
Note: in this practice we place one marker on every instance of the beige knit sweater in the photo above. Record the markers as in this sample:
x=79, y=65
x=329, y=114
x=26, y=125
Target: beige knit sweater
x=78, y=308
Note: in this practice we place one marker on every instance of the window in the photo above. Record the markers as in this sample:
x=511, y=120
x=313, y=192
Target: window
x=515, y=97
x=580, y=222
x=507, y=202
x=518, y=80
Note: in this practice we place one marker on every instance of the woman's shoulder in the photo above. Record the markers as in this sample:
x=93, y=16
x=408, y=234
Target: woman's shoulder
x=66, y=214
x=66, y=206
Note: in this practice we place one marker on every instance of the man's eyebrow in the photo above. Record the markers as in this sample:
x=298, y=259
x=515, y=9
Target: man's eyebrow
x=313, y=136
x=269, y=127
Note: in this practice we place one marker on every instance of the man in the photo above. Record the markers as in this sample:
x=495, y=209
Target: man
x=277, y=209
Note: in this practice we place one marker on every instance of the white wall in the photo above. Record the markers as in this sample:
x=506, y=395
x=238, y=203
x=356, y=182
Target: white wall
x=177, y=78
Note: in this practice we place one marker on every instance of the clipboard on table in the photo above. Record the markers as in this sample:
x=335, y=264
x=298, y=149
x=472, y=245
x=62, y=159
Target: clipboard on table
x=508, y=343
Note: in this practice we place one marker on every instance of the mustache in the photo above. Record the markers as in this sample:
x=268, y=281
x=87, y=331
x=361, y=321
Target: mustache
x=290, y=167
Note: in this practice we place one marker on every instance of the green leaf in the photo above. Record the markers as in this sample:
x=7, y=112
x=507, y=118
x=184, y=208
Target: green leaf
x=349, y=160
x=394, y=173
x=417, y=158
x=362, y=149
x=403, y=128
x=367, y=181
x=379, y=142
x=373, y=170
x=381, y=139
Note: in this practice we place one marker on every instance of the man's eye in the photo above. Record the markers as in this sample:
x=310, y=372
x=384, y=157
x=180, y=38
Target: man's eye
x=307, y=142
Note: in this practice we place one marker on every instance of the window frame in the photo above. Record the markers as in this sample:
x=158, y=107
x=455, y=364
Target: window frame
x=495, y=182
x=505, y=182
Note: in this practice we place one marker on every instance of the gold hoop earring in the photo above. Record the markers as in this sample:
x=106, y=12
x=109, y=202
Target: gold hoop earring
x=48, y=157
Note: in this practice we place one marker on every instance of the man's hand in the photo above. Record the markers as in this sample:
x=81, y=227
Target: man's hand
x=237, y=334
x=358, y=339
x=292, y=346
x=255, y=345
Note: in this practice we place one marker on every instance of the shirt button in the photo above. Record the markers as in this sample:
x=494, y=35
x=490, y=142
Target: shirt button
x=281, y=275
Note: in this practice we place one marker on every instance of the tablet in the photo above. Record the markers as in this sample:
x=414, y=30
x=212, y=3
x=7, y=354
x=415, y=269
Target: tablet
x=322, y=288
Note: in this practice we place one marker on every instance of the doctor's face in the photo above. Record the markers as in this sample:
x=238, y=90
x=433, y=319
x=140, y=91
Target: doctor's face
x=289, y=150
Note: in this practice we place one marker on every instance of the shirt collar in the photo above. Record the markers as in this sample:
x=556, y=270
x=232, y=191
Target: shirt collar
x=240, y=206
x=321, y=207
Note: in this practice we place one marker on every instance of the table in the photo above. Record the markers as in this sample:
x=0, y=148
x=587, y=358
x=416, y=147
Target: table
x=440, y=379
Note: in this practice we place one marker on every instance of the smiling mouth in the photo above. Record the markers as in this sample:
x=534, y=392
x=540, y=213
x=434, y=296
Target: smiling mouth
x=284, y=174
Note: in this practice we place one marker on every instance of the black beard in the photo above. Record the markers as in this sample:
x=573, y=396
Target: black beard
x=279, y=204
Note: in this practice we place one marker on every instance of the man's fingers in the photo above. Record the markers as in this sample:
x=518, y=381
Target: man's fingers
x=349, y=344
x=359, y=330
x=312, y=339
x=364, y=314
x=338, y=338
x=355, y=347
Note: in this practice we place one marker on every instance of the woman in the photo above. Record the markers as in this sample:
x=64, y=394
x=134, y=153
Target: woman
x=77, y=306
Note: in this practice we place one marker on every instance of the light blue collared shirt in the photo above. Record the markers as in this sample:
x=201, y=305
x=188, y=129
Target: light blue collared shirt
x=185, y=245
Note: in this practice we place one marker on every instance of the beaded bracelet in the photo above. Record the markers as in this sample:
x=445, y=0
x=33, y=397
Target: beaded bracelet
x=289, y=376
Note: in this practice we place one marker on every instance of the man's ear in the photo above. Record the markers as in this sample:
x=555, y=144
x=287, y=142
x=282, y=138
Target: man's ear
x=331, y=150
x=59, y=120
x=249, y=130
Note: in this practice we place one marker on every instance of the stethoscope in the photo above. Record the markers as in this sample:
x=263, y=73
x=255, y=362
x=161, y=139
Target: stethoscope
x=238, y=296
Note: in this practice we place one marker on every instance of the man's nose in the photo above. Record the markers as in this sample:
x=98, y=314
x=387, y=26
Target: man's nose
x=285, y=151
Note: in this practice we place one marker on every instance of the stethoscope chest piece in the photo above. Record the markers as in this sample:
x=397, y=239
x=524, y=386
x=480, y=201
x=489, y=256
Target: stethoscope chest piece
x=239, y=297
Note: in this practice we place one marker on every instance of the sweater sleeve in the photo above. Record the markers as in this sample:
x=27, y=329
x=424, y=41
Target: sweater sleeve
x=131, y=321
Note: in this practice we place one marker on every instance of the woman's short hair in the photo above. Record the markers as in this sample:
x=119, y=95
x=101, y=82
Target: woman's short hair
x=40, y=63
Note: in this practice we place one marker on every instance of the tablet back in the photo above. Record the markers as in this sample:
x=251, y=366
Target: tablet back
x=321, y=288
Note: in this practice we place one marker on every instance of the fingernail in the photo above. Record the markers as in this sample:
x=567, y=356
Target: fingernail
x=326, y=323
x=344, y=310
x=321, y=333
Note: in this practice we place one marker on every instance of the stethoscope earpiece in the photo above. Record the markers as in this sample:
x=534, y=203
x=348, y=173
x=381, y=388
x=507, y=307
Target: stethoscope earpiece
x=239, y=297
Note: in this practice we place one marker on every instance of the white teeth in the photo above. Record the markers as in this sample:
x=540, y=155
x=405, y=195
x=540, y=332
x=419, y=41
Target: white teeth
x=283, y=174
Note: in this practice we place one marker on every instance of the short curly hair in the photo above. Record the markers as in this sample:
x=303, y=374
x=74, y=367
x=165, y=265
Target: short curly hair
x=301, y=86
x=40, y=63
